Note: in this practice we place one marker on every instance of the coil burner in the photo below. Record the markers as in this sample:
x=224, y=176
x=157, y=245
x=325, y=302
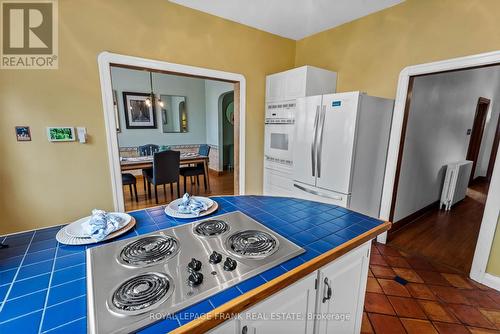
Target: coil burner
x=141, y=293
x=149, y=250
x=212, y=227
x=252, y=244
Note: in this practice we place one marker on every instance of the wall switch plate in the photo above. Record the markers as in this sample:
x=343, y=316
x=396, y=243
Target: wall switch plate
x=82, y=134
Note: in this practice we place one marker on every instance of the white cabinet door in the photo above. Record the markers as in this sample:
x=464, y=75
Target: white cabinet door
x=275, y=87
x=341, y=293
x=277, y=183
x=295, y=83
x=284, y=312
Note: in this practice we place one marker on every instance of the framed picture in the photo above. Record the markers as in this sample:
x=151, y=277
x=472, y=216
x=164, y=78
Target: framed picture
x=56, y=134
x=138, y=113
x=23, y=133
x=115, y=108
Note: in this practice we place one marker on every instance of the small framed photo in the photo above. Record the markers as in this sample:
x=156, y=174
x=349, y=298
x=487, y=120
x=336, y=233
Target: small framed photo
x=23, y=133
x=60, y=133
x=139, y=113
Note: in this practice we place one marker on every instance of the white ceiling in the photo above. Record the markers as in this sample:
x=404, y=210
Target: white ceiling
x=293, y=19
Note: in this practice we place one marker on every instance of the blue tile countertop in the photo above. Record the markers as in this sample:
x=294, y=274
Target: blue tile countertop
x=43, y=283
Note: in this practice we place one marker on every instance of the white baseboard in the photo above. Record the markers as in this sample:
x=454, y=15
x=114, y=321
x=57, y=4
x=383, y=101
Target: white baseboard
x=491, y=281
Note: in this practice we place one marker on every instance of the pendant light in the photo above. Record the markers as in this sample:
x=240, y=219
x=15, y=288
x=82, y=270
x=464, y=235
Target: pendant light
x=151, y=100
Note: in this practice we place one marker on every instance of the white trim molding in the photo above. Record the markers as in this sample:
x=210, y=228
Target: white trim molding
x=492, y=209
x=492, y=281
x=106, y=59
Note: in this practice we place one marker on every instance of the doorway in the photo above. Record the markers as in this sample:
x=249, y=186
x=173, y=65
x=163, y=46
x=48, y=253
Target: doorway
x=106, y=60
x=448, y=121
x=399, y=138
x=476, y=135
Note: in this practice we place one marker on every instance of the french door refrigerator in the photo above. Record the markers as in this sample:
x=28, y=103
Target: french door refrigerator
x=340, y=149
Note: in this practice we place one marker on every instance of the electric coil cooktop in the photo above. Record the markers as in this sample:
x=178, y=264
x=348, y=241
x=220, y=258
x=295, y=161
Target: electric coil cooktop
x=131, y=283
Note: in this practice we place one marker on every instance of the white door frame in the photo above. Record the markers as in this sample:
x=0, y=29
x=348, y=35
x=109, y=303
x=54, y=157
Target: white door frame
x=492, y=208
x=105, y=59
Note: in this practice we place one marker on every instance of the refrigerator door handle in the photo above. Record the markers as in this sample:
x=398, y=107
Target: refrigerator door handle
x=313, y=144
x=320, y=146
x=317, y=193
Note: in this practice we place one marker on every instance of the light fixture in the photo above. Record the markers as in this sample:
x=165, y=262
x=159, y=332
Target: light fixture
x=151, y=99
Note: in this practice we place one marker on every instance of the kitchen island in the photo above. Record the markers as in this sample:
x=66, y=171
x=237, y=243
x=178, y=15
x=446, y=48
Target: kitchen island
x=43, y=283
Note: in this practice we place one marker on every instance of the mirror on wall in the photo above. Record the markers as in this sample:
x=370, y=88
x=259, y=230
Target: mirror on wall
x=174, y=113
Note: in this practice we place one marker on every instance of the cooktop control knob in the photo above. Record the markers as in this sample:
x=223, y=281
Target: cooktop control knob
x=194, y=265
x=215, y=258
x=229, y=264
x=195, y=278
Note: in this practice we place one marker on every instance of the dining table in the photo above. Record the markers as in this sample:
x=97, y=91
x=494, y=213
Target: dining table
x=186, y=158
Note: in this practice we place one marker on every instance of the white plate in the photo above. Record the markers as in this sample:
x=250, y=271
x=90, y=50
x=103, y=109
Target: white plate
x=66, y=239
x=172, y=208
x=75, y=229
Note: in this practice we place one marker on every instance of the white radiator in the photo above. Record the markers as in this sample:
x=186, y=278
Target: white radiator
x=455, y=184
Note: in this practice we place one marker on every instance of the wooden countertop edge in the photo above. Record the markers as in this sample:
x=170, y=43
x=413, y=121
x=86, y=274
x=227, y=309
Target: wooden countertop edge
x=222, y=313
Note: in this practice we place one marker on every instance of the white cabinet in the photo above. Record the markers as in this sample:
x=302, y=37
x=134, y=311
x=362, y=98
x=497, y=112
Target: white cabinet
x=296, y=82
x=277, y=180
x=285, y=312
x=341, y=293
x=275, y=87
x=329, y=300
x=300, y=82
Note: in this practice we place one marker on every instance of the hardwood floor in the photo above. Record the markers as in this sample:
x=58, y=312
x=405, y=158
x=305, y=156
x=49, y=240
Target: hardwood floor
x=446, y=237
x=220, y=184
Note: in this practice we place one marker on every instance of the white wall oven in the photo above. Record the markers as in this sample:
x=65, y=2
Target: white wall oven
x=279, y=131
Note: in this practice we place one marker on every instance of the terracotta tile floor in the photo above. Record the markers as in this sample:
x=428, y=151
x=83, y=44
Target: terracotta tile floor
x=407, y=294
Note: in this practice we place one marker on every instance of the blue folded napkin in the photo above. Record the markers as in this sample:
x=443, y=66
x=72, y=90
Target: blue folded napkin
x=101, y=224
x=190, y=205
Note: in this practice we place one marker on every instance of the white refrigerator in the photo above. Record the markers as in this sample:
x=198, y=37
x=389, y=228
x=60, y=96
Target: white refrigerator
x=340, y=149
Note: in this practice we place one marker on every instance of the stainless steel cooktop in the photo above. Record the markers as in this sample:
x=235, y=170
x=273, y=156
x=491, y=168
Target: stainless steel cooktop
x=131, y=283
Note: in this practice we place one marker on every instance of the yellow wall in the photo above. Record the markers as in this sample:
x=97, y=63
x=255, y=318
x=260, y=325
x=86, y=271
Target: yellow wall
x=46, y=183
x=369, y=53
x=494, y=260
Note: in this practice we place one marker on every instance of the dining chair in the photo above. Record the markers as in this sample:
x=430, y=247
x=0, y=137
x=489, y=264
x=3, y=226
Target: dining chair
x=165, y=171
x=130, y=181
x=199, y=169
x=147, y=150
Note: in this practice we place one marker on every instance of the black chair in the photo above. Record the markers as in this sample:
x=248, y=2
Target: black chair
x=144, y=151
x=131, y=181
x=165, y=171
x=197, y=170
